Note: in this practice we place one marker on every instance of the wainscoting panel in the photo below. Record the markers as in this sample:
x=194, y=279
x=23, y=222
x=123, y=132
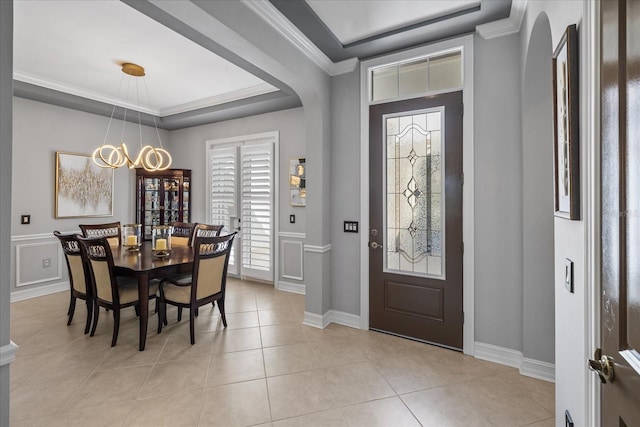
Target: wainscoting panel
x=30, y=263
x=292, y=260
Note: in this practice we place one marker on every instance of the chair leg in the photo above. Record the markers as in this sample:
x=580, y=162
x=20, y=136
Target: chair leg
x=72, y=308
x=179, y=314
x=96, y=314
x=137, y=308
x=222, y=314
x=116, y=326
x=89, y=315
x=161, y=314
x=192, y=321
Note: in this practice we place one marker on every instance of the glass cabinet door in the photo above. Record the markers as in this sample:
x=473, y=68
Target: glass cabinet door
x=185, y=199
x=152, y=204
x=171, y=200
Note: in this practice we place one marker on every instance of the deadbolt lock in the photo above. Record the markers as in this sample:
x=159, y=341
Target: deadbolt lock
x=374, y=232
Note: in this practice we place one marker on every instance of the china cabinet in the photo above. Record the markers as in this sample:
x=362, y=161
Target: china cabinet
x=162, y=197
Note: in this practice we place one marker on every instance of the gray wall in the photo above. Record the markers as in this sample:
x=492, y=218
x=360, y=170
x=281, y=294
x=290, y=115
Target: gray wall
x=498, y=198
x=537, y=200
x=6, y=93
x=189, y=151
x=39, y=130
x=345, y=191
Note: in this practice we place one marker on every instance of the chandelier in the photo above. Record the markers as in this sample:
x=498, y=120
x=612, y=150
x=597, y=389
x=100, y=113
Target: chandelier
x=150, y=158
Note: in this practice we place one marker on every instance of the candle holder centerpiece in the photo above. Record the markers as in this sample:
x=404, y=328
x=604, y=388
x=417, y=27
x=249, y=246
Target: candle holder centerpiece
x=132, y=237
x=161, y=240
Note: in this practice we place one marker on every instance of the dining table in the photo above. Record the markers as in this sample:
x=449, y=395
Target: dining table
x=145, y=265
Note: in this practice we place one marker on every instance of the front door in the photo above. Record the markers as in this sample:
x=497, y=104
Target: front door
x=415, y=240
x=619, y=360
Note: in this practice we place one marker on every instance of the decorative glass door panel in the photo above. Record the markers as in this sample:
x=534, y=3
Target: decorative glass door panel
x=414, y=212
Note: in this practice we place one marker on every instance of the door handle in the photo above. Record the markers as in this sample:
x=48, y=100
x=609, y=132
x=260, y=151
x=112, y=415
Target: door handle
x=602, y=365
x=375, y=245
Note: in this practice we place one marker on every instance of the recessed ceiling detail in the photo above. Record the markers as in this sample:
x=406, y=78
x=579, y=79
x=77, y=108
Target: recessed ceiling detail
x=365, y=28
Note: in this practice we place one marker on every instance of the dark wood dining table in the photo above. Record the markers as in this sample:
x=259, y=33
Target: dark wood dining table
x=144, y=266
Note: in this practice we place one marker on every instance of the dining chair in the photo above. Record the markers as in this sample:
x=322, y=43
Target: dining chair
x=111, y=292
x=80, y=285
x=182, y=234
x=206, y=284
x=207, y=230
x=112, y=231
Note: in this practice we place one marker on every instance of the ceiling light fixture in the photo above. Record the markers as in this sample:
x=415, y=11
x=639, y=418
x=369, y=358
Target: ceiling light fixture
x=150, y=158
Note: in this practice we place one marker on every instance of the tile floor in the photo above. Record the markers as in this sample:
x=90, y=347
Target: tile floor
x=265, y=369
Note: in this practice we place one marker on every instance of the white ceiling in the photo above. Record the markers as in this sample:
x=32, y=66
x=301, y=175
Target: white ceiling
x=76, y=47
x=353, y=20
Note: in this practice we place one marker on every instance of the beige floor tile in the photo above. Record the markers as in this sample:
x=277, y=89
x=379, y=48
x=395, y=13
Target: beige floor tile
x=236, y=367
x=242, y=320
x=337, y=376
x=178, y=346
x=290, y=333
x=407, y=375
x=289, y=359
x=180, y=409
x=174, y=377
x=239, y=404
x=313, y=391
x=228, y=341
x=279, y=316
x=33, y=399
x=115, y=385
x=445, y=406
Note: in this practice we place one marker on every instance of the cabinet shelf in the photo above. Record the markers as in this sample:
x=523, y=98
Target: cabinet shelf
x=162, y=197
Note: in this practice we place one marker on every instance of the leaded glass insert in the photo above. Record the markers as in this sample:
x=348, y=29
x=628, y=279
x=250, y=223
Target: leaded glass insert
x=414, y=211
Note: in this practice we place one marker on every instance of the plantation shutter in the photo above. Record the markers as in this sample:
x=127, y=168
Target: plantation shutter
x=257, y=210
x=223, y=196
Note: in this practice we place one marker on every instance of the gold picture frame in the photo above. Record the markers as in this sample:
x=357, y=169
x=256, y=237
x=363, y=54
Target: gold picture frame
x=298, y=181
x=83, y=189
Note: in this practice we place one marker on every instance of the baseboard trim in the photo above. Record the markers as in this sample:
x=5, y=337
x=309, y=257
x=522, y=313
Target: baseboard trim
x=505, y=356
x=331, y=316
x=22, y=295
x=537, y=369
x=314, y=320
x=296, y=288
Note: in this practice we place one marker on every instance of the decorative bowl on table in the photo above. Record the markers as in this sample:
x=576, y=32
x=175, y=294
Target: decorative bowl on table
x=161, y=240
x=132, y=237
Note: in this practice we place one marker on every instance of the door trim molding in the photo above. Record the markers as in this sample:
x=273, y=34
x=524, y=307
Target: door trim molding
x=591, y=129
x=466, y=42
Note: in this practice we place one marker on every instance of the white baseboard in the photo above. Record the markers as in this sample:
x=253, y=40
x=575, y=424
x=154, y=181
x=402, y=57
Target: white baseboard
x=536, y=369
x=296, y=288
x=331, y=316
x=40, y=291
x=505, y=356
x=314, y=320
x=8, y=353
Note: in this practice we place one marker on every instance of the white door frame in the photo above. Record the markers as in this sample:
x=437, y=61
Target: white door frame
x=466, y=44
x=275, y=136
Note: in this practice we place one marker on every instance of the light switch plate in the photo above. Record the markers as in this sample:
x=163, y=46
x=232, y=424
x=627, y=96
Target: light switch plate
x=351, y=226
x=292, y=219
x=568, y=274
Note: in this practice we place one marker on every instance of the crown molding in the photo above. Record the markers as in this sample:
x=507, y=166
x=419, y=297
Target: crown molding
x=278, y=21
x=236, y=95
x=73, y=90
x=503, y=27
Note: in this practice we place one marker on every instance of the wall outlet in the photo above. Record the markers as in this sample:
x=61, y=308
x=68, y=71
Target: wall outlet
x=46, y=262
x=292, y=219
x=25, y=219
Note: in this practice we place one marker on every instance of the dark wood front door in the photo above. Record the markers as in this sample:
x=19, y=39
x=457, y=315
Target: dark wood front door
x=415, y=240
x=620, y=309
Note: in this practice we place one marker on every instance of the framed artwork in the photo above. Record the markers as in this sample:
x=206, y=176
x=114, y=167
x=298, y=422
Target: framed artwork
x=83, y=189
x=298, y=182
x=566, y=136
